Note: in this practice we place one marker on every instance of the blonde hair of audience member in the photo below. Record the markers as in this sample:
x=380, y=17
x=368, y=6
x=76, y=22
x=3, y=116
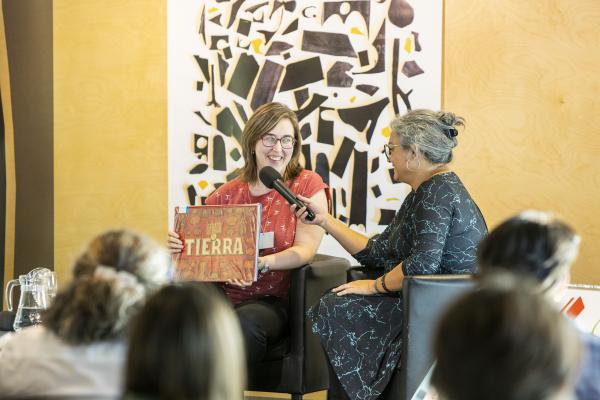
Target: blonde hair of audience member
x=110, y=281
x=505, y=342
x=186, y=344
x=264, y=119
x=534, y=244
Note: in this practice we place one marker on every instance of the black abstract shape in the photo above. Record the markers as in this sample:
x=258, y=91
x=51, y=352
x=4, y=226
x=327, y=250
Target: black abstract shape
x=363, y=58
x=198, y=113
x=287, y=5
x=241, y=111
x=214, y=41
x=233, y=174
x=243, y=27
x=333, y=202
x=191, y=192
x=203, y=64
x=376, y=191
x=277, y=48
x=227, y=125
x=251, y=9
x=200, y=150
x=218, y=154
x=322, y=167
x=386, y=216
x=344, y=197
x=216, y=20
x=286, y=55
x=411, y=68
x=333, y=8
x=301, y=95
x=337, y=76
x=360, y=117
x=201, y=29
x=396, y=91
x=223, y=65
x=266, y=85
x=315, y=102
x=267, y=34
x=368, y=89
x=243, y=75
x=305, y=131
x=379, y=44
x=291, y=27
x=235, y=7
x=335, y=44
x=358, y=211
x=342, y=157
x=235, y=154
x=391, y=173
x=375, y=164
x=213, y=96
x=242, y=47
x=401, y=13
x=324, y=129
x=302, y=73
x=199, y=86
x=199, y=169
x=306, y=154
x=227, y=52
x=417, y=43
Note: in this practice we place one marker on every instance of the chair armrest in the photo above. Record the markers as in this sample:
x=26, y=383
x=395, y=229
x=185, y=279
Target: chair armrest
x=358, y=272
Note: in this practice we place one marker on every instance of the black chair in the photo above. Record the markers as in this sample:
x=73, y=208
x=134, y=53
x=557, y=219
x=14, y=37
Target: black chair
x=298, y=366
x=425, y=298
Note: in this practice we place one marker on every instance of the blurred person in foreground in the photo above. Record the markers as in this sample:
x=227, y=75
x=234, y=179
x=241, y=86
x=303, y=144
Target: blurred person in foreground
x=537, y=245
x=185, y=344
x=79, y=349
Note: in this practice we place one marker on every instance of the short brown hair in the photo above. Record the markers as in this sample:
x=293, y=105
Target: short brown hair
x=262, y=121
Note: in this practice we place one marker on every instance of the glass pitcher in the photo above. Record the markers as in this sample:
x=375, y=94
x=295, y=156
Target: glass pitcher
x=32, y=301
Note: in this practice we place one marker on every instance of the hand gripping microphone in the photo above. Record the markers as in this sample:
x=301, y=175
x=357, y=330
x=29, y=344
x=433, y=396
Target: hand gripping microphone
x=272, y=179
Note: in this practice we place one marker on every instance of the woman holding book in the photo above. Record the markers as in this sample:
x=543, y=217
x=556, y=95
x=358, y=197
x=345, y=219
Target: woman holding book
x=272, y=138
x=435, y=231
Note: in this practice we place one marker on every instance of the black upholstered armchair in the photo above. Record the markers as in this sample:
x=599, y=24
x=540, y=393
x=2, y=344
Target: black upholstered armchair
x=298, y=366
x=425, y=297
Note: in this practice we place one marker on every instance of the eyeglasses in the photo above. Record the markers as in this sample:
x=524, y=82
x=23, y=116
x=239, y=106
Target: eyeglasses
x=387, y=150
x=287, y=142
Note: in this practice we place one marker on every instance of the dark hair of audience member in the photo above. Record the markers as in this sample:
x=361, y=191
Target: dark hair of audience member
x=505, y=342
x=534, y=244
x=111, y=279
x=185, y=344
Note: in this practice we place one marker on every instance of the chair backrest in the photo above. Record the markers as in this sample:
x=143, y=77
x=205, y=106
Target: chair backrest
x=425, y=299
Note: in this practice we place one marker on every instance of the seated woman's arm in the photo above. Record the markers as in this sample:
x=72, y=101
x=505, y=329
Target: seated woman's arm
x=306, y=242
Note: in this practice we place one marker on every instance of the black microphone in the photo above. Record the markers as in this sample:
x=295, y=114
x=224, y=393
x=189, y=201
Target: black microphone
x=272, y=179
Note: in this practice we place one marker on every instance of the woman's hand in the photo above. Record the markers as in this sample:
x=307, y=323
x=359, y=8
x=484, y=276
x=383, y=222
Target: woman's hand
x=320, y=213
x=174, y=244
x=239, y=283
x=365, y=287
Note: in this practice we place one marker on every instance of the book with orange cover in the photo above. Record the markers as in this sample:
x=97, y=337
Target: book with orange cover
x=220, y=242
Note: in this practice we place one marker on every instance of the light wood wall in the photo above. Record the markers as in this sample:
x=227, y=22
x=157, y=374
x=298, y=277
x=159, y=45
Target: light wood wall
x=526, y=76
x=110, y=102
x=523, y=74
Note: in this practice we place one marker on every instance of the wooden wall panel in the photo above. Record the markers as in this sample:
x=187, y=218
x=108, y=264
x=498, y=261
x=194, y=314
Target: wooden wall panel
x=526, y=76
x=110, y=102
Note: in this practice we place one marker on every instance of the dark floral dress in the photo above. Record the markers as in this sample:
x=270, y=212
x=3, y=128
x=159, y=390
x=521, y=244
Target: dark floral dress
x=436, y=231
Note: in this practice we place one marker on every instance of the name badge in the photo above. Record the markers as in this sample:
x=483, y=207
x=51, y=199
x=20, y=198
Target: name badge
x=266, y=240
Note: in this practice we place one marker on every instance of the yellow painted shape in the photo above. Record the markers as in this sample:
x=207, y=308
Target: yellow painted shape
x=203, y=184
x=256, y=45
x=386, y=132
x=392, y=199
x=356, y=31
x=352, y=99
x=407, y=45
x=212, y=10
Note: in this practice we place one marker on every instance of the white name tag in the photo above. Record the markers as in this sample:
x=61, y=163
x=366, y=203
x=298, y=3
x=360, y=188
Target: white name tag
x=266, y=240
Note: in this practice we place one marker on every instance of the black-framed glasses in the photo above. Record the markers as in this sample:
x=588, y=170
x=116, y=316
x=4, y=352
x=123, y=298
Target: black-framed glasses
x=387, y=150
x=287, y=142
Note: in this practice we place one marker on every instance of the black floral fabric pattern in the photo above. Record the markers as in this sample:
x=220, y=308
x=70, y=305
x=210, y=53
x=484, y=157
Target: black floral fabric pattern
x=435, y=231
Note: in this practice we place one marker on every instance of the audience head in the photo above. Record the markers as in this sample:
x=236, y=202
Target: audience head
x=110, y=281
x=263, y=121
x=431, y=134
x=186, y=344
x=505, y=342
x=534, y=244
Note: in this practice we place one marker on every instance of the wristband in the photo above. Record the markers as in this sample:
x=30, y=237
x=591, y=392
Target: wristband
x=375, y=287
x=383, y=285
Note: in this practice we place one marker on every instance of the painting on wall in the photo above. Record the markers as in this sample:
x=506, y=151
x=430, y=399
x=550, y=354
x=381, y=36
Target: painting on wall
x=345, y=67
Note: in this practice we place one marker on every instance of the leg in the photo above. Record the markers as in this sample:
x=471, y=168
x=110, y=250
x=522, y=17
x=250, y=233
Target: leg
x=336, y=390
x=263, y=322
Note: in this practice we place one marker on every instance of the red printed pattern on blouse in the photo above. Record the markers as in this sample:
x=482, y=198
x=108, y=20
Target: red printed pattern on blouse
x=277, y=218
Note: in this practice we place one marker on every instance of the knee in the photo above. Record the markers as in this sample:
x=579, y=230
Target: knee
x=253, y=333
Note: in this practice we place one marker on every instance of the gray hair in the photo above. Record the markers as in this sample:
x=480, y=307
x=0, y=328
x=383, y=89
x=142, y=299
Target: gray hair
x=432, y=133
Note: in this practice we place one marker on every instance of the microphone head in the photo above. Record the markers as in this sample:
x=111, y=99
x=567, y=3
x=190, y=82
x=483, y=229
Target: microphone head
x=268, y=175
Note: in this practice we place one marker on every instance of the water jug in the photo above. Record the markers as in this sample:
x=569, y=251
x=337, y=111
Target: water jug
x=33, y=299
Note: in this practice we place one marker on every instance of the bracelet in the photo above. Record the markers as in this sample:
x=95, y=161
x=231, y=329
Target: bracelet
x=377, y=291
x=383, y=285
